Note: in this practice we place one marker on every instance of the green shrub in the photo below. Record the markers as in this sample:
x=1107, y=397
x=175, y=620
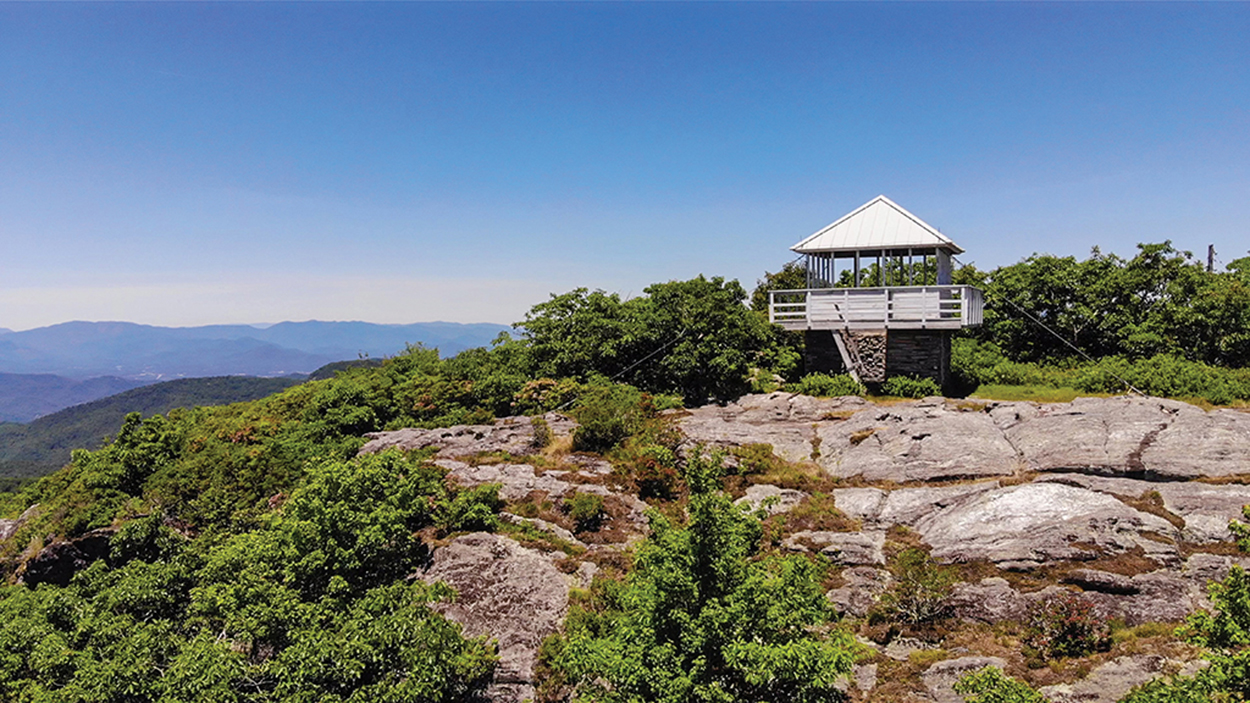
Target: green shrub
x=976, y=363
x=1065, y=625
x=654, y=471
x=607, y=415
x=474, y=509
x=586, y=510
x=146, y=538
x=824, y=386
x=909, y=387
x=755, y=458
x=991, y=685
x=1167, y=376
x=544, y=395
x=705, y=617
x=921, y=588
x=542, y=433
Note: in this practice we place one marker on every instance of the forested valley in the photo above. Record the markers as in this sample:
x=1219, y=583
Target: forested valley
x=247, y=553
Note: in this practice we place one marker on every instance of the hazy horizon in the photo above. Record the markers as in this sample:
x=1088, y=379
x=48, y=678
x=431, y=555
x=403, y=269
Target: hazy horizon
x=256, y=325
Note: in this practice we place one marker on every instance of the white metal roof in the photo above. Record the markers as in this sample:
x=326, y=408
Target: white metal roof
x=878, y=224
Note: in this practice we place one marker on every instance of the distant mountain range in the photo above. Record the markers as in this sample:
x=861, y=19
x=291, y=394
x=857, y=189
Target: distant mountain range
x=24, y=397
x=83, y=350
x=50, y=368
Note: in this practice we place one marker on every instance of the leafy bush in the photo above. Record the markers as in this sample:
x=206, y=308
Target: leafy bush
x=824, y=386
x=607, y=414
x=1160, y=301
x=544, y=395
x=991, y=685
x=476, y=508
x=1167, y=376
x=1065, y=625
x=653, y=468
x=909, y=387
x=921, y=588
x=975, y=363
x=586, y=510
x=145, y=538
x=310, y=604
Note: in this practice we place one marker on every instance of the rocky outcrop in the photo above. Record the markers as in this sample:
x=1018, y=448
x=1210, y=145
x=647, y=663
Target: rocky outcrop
x=8, y=528
x=58, y=562
x=932, y=440
x=771, y=499
x=903, y=506
x=846, y=548
x=520, y=481
x=1158, y=596
x=512, y=435
x=786, y=421
x=516, y=481
x=1204, y=508
x=1204, y=568
x=514, y=595
x=863, y=588
x=1098, y=496
x=1110, y=682
x=1031, y=524
x=925, y=441
x=989, y=601
x=1102, y=582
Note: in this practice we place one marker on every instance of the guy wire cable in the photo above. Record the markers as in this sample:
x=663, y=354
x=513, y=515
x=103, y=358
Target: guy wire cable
x=1061, y=338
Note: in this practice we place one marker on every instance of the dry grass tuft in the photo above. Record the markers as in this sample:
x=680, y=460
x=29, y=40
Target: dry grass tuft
x=1020, y=477
x=816, y=513
x=859, y=436
x=1224, y=549
x=767, y=468
x=559, y=448
x=899, y=538
x=1152, y=502
x=1234, y=480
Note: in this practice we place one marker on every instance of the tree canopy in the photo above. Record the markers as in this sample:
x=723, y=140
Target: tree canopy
x=1161, y=301
x=692, y=338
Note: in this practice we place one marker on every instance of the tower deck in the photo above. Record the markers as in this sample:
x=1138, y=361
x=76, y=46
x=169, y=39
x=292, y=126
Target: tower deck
x=895, y=307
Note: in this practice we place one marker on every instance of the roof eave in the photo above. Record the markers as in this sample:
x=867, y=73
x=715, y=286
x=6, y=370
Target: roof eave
x=951, y=247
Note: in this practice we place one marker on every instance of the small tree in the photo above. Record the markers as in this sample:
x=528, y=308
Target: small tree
x=586, y=510
x=921, y=588
x=701, y=618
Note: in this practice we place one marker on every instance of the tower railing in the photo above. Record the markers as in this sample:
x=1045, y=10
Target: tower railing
x=895, y=307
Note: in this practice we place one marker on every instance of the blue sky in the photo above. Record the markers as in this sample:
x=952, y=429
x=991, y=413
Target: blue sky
x=190, y=163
